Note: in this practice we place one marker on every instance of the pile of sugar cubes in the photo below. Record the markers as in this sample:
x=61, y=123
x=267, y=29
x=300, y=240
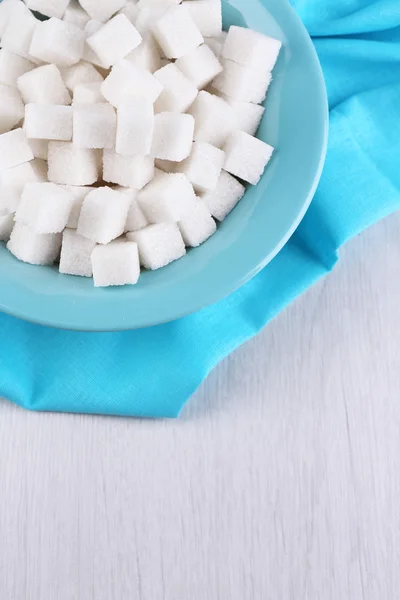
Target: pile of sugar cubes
x=127, y=129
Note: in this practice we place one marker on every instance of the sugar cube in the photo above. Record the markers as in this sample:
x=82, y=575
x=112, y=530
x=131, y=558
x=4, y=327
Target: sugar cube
x=246, y=156
x=146, y=55
x=198, y=226
x=131, y=172
x=6, y=9
x=79, y=193
x=203, y=167
x=19, y=31
x=6, y=227
x=32, y=247
x=89, y=55
x=50, y=8
x=201, y=66
x=88, y=93
x=179, y=92
x=12, y=108
x=76, y=15
x=58, y=42
x=70, y=165
x=13, y=66
x=116, y=264
x=242, y=83
x=173, y=136
x=130, y=80
x=94, y=126
x=136, y=219
x=214, y=119
x=82, y=72
x=169, y=197
x=102, y=10
x=115, y=40
x=223, y=199
x=177, y=33
x=158, y=244
x=135, y=128
x=251, y=49
x=103, y=215
x=76, y=251
x=14, y=149
x=44, y=207
x=207, y=14
x=130, y=10
x=40, y=148
x=148, y=15
x=43, y=85
x=13, y=181
x=48, y=122
x=248, y=115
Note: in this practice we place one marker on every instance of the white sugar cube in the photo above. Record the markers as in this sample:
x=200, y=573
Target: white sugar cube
x=43, y=85
x=198, y=226
x=246, y=156
x=11, y=108
x=203, y=167
x=116, y=264
x=6, y=9
x=136, y=219
x=44, y=207
x=40, y=148
x=179, y=92
x=242, y=83
x=158, y=244
x=102, y=10
x=82, y=72
x=146, y=55
x=6, y=227
x=135, y=128
x=115, y=40
x=88, y=93
x=50, y=8
x=177, y=33
x=148, y=15
x=223, y=199
x=103, y=215
x=131, y=172
x=207, y=14
x=14, y=149
x=32, y=247
x=76, y=15
x=215, y=119
x=89, y=55
x=70, y=165
x=201, y=66
x=58, y=42
x=13, y=181
x=94, y=126
x=76, y=251
x=48, y=122
x=248, y=115
x=173, y=136
x=79, y=193
x=169, y=197
x=126, y=80
x=18, y=33
x=251, y=49
x=130, y=10
x=13, y=66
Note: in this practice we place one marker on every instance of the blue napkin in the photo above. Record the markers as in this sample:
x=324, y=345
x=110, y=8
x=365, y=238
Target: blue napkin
x=153, y=372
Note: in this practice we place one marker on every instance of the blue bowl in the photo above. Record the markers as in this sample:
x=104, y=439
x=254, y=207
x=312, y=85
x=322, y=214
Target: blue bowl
x=295, y=123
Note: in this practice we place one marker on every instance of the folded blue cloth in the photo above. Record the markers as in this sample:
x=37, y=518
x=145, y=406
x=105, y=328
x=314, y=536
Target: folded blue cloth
x=153, y=372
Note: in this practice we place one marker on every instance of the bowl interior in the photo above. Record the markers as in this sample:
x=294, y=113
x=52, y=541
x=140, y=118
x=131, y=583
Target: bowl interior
x=295, y=123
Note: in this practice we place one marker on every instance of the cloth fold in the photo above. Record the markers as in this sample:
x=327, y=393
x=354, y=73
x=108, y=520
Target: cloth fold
x=153, y=372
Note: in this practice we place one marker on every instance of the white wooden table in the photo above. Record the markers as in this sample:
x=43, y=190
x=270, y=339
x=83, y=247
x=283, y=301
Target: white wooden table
x=281, y=481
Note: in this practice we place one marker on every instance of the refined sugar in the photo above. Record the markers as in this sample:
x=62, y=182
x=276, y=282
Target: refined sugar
x=223, y=199
x=79, y=193
x=251, y=49
x=115, y=40
x=207, y=14
x=248, y=116
x=6, y=9
x=179, y=92
x=50, y=8
x=48, y=122
x=168, y=166
x=14, y=149
x=82, y=72
x=44, y=207
x=203, y=167
x=177, y=33
x=76, y=251
x=130, y=80
x=198, y=226
x=6, y=227
x=173, y=136
x=136, y=219
x=169, y=197
x=76, y=15
x=88, y=93
x=40, y=148
x=102, y=10
x=20, y=27
x=200, y=65
x=69, y=165
x=11, y=108
x=89, y=55
x=130, y=10
x=13, y=66
x=103, y=215
x=58, y=42
x=246, y=156
x=216, y=43
x=135, y=127
x=43, y=85
x=32, y=247
x=13, y=181
x=215, y=119
x=94, y=126
x=135, y=171
x=116, y=264
x=147, y=55
x=241, y=83
x=158, y=244
x=149, y=15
